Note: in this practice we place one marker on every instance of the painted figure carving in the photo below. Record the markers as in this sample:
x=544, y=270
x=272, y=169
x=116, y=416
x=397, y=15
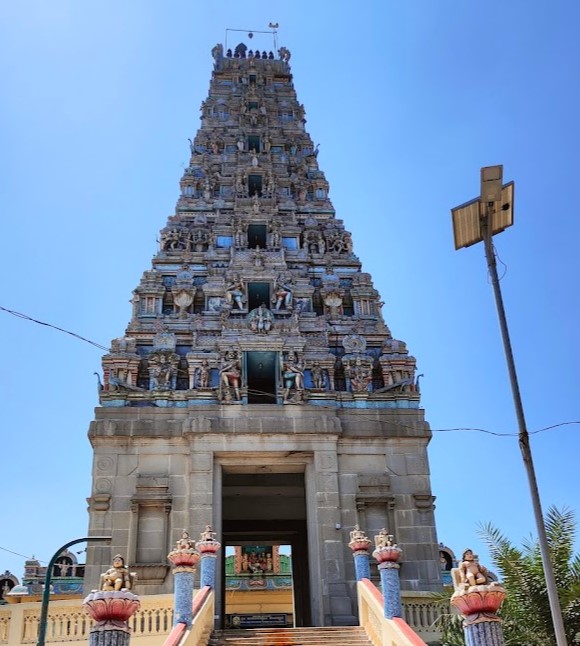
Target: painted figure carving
x=235, y=294
x=293, y=374
x=317, y=375
x=261, y=320
x=204, y=374
x=161, y=371
x=230, y=375
x=282, y=296
x=357, y=534
x=470, y=571
x=207, y=534
x=383, y=539
x=116, y=577
x=185, y=542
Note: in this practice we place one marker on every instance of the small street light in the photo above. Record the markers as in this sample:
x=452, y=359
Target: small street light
x=48, y=578
x=474, y=221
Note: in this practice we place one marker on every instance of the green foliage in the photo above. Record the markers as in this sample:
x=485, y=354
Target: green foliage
x=449, y=622
x=526, y=610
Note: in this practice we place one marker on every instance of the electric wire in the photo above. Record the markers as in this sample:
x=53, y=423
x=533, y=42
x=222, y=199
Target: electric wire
x=497, y=257
x=54, y=327
x=28, y=558
x=321, y=406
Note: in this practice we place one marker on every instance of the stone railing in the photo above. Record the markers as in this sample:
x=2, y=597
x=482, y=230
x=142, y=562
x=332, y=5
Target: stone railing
x=68, y=622
x=203, y=618
x=381, y=631
x=421, y=611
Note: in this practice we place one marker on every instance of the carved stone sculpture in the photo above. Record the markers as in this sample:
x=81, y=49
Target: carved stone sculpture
x=207, y=534
x=477, y=597
x=293, y=376
x=359, y=371
x=163, y=370
x=282, y=296
x=117, y=577
x=317, y=375
x=236, y=293
x=185, y=542
x=230, y=373
x=260, y=320
x=470, y=571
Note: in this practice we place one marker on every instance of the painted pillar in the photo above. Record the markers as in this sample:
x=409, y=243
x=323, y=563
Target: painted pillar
x=360, y=544
x=184, y=558
x=387, y=555
x=479, y=605
x=111, y=610
x=207, y=546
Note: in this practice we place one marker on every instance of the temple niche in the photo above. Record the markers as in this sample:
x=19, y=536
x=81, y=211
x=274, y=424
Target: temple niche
x=257, y=382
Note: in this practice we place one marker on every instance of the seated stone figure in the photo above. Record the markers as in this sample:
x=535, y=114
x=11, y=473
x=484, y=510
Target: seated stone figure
x=117, y=577
x=470, y=573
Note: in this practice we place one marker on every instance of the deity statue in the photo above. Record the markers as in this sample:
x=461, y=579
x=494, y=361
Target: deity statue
x=357, y=534
x=384, y=539
x=293, y=375
x=258, y=257
x=218, y=52
x=275, y=238
x=63, y=567
x=240, y=236
x=230, y=375
x=235, y=293
x=282, y=296
x=284, y=54
x=170, y=240
x=204, y=374
x=185, y=542
x=470, y=571
x=317, y=375
x=261, y=320
x=360, y=375
x=162, y=371
x=207, y=534
x=117, y=577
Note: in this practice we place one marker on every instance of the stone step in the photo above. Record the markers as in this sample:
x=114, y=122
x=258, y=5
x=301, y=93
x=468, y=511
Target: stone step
x=337, y=636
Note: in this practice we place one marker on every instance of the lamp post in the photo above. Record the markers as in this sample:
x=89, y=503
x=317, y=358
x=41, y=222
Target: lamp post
x=476, y=221
x=48, y=577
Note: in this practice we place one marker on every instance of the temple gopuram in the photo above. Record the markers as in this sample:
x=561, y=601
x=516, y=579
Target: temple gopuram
x=257, y=387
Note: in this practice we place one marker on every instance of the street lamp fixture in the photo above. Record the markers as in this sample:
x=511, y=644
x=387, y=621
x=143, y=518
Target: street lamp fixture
x=48, y=578
x=476, y=221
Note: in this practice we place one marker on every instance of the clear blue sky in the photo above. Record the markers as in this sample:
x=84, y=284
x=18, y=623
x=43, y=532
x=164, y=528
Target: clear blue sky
x=408, y=100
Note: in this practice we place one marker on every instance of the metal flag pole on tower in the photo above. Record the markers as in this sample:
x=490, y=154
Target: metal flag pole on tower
x=476, y=221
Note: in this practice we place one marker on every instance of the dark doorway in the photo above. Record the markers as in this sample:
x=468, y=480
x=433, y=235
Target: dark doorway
x=261, y=369
x=258, y=294
x=257, y=236
x=254, y=141
x=268, y=509
x=255, y=185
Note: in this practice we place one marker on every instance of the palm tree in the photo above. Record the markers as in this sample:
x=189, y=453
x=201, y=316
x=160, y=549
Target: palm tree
x=526, y=610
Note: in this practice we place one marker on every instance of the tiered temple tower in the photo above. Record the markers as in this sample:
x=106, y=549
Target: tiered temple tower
x=257, y=387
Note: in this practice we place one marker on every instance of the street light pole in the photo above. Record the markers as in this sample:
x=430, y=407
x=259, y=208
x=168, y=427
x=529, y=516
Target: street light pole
x=493, y=198
x=48, y=577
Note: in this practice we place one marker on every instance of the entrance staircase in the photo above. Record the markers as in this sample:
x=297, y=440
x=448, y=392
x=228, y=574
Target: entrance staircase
x=348, y=636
